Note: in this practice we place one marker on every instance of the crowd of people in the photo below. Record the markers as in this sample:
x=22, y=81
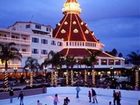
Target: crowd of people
x=91, y=95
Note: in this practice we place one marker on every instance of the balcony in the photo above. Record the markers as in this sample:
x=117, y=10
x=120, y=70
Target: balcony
x=17, y=41
x=83, y=44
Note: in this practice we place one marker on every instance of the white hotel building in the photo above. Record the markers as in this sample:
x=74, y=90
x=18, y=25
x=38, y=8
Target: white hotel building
x=32, y=39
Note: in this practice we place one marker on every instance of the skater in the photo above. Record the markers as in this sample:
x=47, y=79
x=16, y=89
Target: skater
x=89, y=95
x=11, y=94
x=38, y=102
x=21, y=96
x=94, y=96
x=77, y=91
x=110, y=103
x=114, y=97
x=55, y=99
x=118, y=98
x=66, y=101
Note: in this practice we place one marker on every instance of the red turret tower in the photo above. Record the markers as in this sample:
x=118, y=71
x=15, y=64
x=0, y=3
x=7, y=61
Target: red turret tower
x=79, y=40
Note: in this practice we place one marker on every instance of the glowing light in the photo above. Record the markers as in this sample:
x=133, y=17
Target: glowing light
x=74, y=22
x=66, y=23
x=75, y=31
x=63, y=31
x=72, y=7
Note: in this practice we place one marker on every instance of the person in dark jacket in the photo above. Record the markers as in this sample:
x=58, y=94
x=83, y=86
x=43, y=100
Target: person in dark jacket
x=89, y=96
x=118, y=98
x=21, y=96
x=66, y=101
x=94, y=96
x=114, y=97
x=11, y=94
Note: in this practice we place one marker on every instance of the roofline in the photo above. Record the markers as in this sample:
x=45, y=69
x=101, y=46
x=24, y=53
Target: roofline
x=30, y=22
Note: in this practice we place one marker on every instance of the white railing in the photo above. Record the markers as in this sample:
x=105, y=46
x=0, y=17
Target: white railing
x=83, y=44
x=19, y=41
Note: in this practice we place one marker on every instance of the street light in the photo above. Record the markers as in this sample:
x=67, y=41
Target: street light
x=112, y=72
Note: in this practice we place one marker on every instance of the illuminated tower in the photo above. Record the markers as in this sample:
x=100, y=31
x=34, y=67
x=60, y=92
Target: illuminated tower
x=79, y=40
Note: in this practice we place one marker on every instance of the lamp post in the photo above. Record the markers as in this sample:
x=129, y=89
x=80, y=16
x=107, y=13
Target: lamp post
x=137, y=78
x=112, y=72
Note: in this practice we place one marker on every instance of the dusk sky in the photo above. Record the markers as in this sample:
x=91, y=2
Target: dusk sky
x=115, y=22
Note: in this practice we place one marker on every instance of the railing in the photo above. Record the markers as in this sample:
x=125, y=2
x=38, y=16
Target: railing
x=83, y=44
x=19, y=41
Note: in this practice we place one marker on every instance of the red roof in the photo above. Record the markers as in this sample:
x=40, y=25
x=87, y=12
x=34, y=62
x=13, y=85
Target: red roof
x=82, y=53
x=72, y=28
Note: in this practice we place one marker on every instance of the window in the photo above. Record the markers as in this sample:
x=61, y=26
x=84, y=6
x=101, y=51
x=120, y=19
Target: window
x=24, y=50
x=35, y=51
x=44, y=52
x=59, y=43
x=38, y=26
x=111, y=62
x=44, y=41
x=35, y=40
x=28, y=26
x=103, y=61
x=53, y=43
x=47, y=29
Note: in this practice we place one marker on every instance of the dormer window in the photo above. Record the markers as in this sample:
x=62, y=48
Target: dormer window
x=38, y=26
x=28, y=26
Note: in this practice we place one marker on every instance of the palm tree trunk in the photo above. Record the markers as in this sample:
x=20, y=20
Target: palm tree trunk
x=71, y=77
x=6, y=76
x=67, y=76
x=31, y=79
x=85, y=77
x=93, y=77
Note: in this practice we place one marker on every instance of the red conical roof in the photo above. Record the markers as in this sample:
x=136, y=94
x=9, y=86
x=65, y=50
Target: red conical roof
x=72, y=28
x=78, y=38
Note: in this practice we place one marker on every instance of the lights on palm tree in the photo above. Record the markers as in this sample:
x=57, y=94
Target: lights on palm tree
x=71, y=77
x=85, y=76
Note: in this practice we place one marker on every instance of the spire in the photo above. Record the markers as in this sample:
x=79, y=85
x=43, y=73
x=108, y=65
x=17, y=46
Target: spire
x=71, y=6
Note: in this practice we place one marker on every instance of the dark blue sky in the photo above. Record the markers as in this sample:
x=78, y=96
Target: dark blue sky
x=115, y=22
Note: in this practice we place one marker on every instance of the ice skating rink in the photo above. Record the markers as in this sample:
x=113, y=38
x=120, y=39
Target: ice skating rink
x=103, y=96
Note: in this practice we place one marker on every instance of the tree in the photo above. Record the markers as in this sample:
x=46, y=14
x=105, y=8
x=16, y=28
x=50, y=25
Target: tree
x=134, y=58
x=120, y=55
x=31, y=64
x=8, y=52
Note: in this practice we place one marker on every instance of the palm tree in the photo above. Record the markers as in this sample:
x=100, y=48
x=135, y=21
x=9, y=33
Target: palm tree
x=31, y=64
x=8, y=52
x=134, y=58
x=69, y=62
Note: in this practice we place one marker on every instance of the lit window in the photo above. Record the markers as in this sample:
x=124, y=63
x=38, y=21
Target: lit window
x=59, y=43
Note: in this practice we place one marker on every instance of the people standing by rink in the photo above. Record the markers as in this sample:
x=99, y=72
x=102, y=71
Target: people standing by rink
x=11, y=94
x=77, y=91
x=117, y=97
x=55, y=101
x=21, y=97
x=94, y=96
x=89, y=95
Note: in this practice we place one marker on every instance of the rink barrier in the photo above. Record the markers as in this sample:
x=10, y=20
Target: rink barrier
x=27, y=92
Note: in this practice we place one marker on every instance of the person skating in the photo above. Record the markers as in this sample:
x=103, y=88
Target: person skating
x=89, y=95
x=38, y=102
x=77, y=91
x=94, y=96
x=55, y=99
x=66, y=101
x=114, y=97
x=118, y=98
x=11, y=94
x=21, y=97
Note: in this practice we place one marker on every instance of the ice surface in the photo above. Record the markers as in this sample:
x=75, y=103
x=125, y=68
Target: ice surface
x=103, y=96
